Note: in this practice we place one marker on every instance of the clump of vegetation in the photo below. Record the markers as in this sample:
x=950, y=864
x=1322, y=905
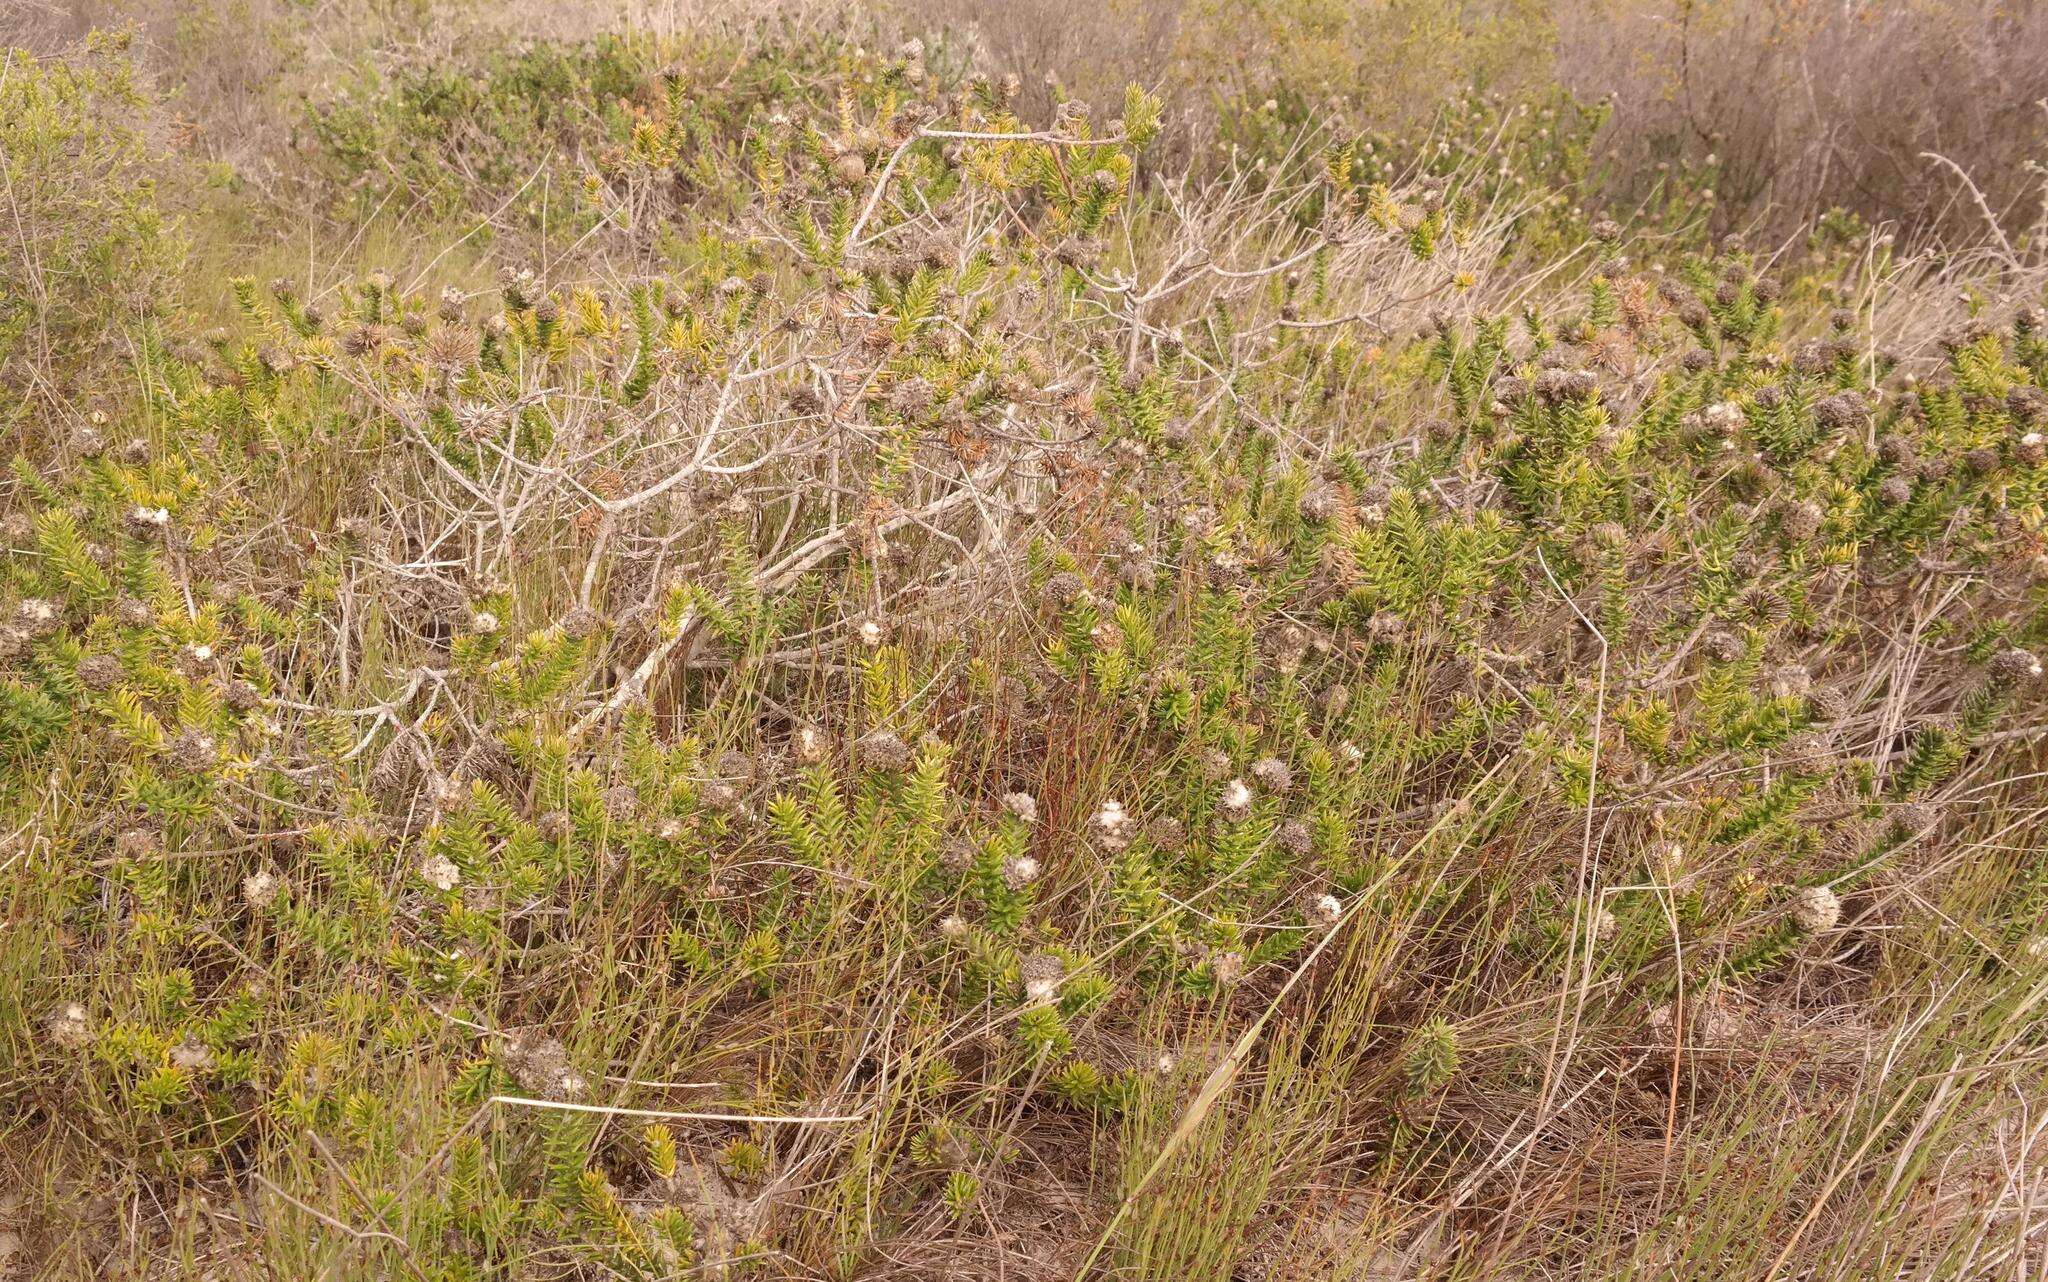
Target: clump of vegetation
x=87, y=247
x=894, y=686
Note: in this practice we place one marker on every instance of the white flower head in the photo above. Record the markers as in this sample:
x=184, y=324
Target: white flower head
x=1236, y=801
x=440, y=872
x=1020, y=872
x=953, y=926
x=1722, y=415
x=259, y=889
x=192, y=1055
x=1112, y=825
x=68, y=1026
x=1021, y=804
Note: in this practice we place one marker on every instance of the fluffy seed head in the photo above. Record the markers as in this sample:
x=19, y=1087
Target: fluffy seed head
x=1227, y=967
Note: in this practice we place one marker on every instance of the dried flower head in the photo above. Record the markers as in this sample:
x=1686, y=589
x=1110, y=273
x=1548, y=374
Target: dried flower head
x=2015, y=665
x=68, y=1028
x=1166, y=833
x=555, y=825
x=191, y=751
x=37, y=617
x=580, y=624
x=542, y=1067
x=882, y=750
x=1816, y=909
x=1790, y=680
x=1041, y=973
x=241, y=695
x=260, y=889
x=100, y=672
x=1841, y=412
x=192, y=1055
x=1800, y=520
x=1725, y=647
x=1272, y=774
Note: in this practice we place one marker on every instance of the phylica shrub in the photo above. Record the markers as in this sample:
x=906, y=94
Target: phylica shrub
x=977, y=633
